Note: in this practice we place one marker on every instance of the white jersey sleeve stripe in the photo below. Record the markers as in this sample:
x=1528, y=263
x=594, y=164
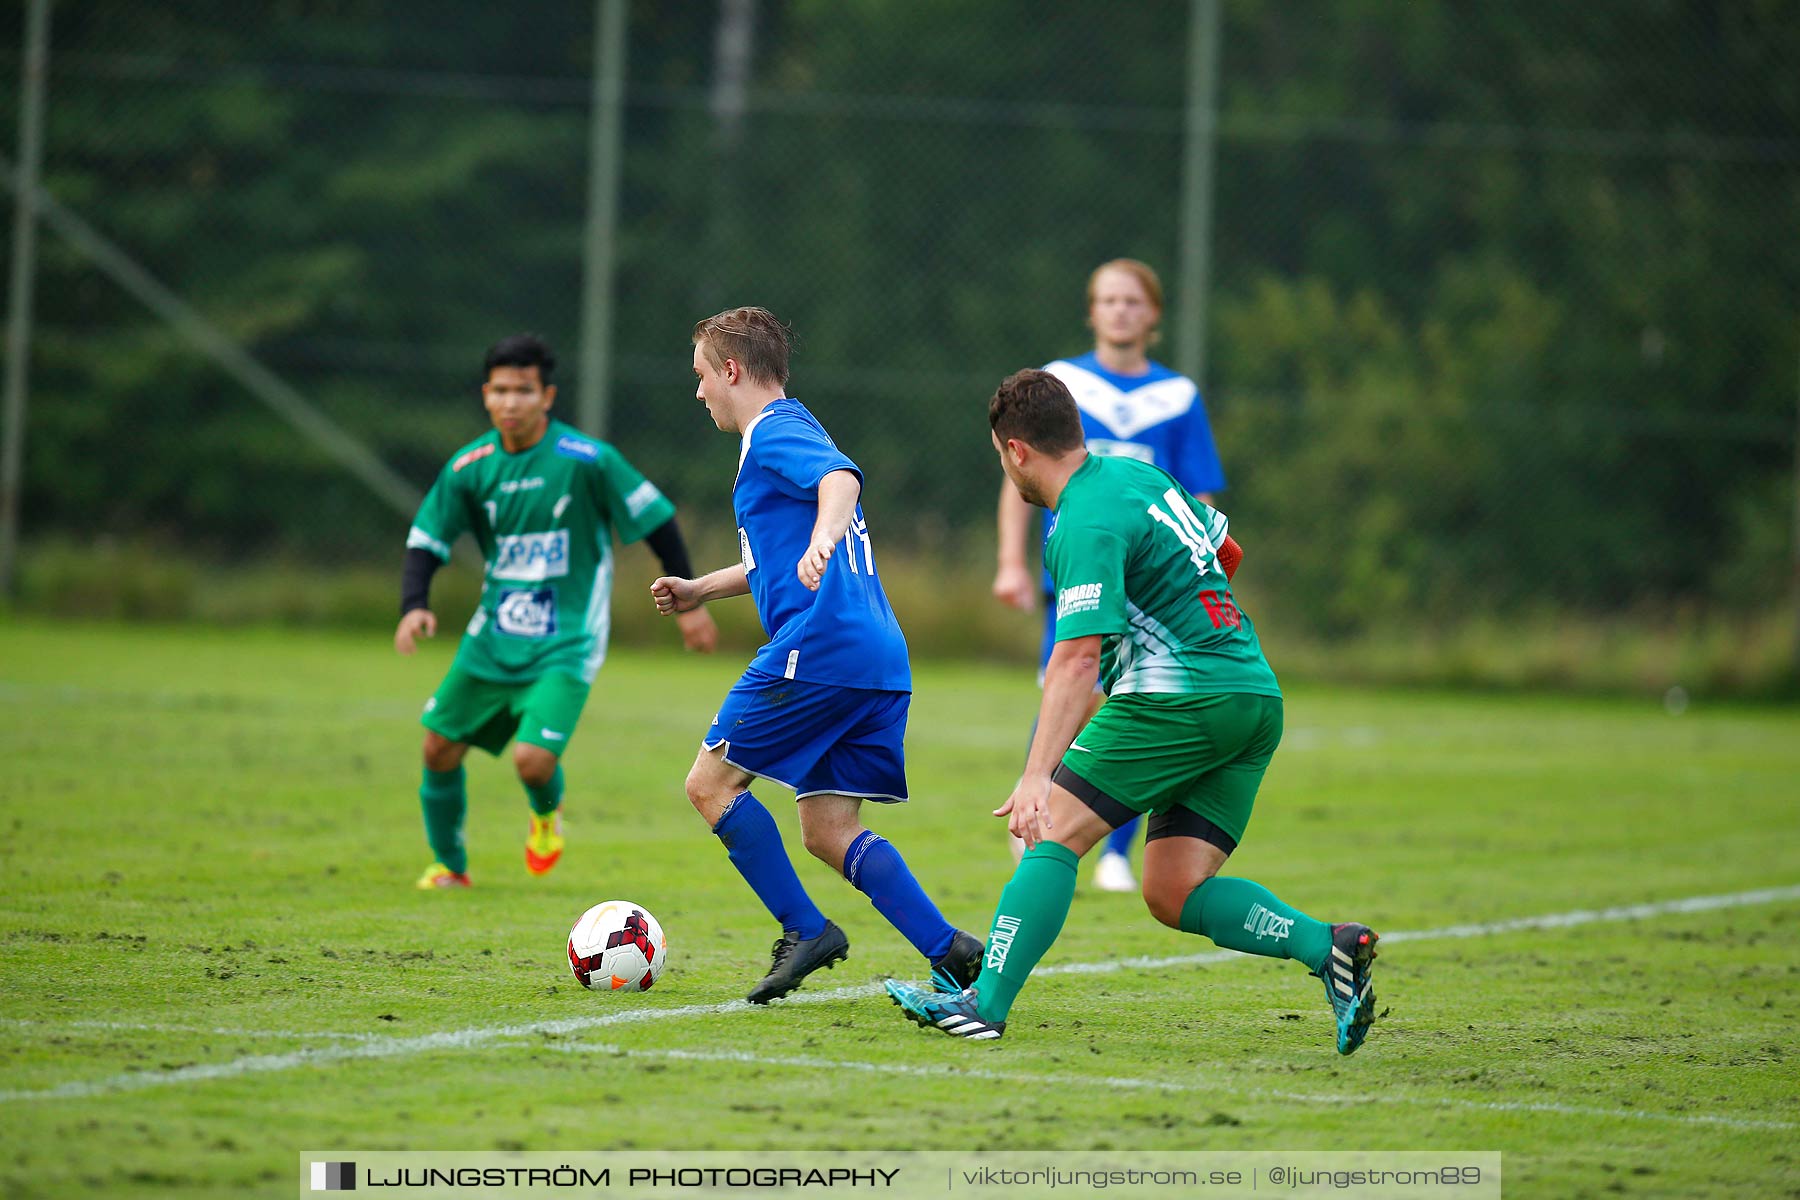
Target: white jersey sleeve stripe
x=417, y=538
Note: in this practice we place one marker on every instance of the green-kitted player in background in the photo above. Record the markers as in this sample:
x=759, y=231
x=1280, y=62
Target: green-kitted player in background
x=1142, y=573
x=543, y=500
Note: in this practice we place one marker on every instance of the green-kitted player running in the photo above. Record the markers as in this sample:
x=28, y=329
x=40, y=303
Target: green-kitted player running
x=543, y=501
x=1142, y=573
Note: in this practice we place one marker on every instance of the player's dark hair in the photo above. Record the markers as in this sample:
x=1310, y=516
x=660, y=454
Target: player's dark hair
x=521, y=350
x=754, y=337
x=1035, y=407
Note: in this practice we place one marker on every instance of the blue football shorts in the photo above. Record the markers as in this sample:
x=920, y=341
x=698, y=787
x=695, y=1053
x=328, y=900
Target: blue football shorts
x=815, y=738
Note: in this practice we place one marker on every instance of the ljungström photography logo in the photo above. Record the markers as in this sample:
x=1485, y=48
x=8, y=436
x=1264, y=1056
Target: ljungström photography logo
x=334, y=1177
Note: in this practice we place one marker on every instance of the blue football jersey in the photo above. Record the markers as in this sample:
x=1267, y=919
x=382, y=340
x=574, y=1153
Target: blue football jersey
x=845, y=633
x=1157, y=417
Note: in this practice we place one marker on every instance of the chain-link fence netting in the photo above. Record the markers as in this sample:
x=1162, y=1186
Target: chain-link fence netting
x=1501, y=316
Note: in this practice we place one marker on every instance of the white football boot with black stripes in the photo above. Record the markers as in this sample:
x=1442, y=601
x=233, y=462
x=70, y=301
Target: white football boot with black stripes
x=953, y=1013
x=1348, y=985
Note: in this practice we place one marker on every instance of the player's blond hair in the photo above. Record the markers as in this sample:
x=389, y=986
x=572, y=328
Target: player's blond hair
x=1144, y=273
x=753, y=336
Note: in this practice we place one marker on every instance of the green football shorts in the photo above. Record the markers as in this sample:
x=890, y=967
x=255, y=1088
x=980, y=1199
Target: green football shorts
x=488, y=714
x=1192, y=762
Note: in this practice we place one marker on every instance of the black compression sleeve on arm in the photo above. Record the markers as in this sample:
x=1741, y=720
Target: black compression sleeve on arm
x=415, y=578
x=666, y=541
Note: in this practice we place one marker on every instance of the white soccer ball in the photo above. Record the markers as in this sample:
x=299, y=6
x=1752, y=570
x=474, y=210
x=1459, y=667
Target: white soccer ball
x=617, y=947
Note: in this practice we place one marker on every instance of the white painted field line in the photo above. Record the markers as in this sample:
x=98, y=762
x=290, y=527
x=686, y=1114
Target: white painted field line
x=283, y=1035
x=1563, y=920
x=1624, y=912
x=464, y=1039
x=941, y=1074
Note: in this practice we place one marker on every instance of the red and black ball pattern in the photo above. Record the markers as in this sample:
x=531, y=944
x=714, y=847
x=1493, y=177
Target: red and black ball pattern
x=582, y=965
x=635, y=932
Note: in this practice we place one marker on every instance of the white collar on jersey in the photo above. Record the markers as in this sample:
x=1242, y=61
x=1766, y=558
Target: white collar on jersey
x=744, y=446
x=1126, y=413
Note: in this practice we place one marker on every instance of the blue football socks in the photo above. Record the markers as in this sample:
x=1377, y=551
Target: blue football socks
x=875, y=869
x=754, y=843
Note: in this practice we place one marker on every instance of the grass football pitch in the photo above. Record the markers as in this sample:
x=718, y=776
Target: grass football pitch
x=212, y=956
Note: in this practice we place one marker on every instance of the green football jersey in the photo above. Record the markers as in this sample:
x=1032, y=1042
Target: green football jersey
x=544, y=519
x=1135, y=558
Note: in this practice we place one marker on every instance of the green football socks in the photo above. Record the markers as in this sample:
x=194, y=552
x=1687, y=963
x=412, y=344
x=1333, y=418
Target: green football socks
x=444, y=801
x=1239, y=914
x=1032, y=909
x=546, y=797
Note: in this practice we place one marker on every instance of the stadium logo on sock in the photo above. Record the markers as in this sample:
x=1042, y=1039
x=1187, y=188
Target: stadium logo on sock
x=1262, y=923
x=1000, y=942
x=334, y=1177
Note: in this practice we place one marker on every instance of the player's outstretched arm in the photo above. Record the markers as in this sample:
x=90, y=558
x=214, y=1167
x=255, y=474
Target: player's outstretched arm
x=838, y=493
x=1013, y=582
x=698, y=633
x=676, y=595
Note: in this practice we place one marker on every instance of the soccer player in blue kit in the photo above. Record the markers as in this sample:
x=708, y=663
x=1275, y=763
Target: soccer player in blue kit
x=822, y=707
x=1131, y=406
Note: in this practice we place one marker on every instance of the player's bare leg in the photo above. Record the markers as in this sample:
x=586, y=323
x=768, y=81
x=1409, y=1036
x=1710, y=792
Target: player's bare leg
x=828, y=824
x=1173, y=868
x=713, y=784
x=442, y=754
x=536, y=765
